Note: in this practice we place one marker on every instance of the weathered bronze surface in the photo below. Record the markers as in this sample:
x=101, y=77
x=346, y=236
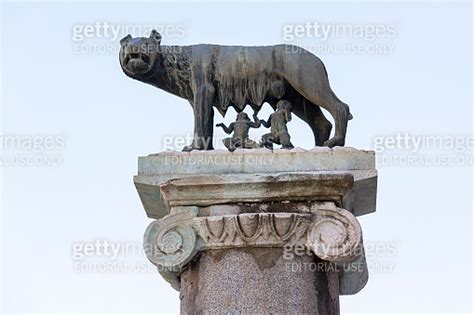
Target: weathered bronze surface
x=240, y=129
x=277, y=122
x=214, y=76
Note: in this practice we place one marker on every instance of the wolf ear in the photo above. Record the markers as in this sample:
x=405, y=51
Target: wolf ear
x=125, y=39
x=155, y=36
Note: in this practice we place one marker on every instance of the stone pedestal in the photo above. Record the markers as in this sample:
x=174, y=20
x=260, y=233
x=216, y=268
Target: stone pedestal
x=258, y=231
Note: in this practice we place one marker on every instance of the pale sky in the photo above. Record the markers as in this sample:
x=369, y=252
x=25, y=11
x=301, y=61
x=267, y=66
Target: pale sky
x=412, y=81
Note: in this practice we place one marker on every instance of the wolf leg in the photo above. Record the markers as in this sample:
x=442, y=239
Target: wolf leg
x=203, y=119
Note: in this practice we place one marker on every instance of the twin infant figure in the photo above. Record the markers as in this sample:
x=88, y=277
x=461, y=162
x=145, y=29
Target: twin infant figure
x=278, y=132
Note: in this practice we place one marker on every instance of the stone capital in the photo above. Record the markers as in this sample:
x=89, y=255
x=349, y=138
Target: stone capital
x=331, y=233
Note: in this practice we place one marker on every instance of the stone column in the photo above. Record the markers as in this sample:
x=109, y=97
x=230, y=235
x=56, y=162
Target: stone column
x=256, y=231
x=256, y=281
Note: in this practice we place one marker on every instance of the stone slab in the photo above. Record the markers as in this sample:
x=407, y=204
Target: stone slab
x=238, y=188
x=256, y=161
x=156, y=170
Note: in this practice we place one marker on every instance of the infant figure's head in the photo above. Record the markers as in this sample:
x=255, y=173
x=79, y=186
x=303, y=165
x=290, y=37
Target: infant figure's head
x=283, y=104
x=242, y=116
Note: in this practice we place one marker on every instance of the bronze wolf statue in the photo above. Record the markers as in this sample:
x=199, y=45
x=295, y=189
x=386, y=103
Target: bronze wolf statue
x=213, y=76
